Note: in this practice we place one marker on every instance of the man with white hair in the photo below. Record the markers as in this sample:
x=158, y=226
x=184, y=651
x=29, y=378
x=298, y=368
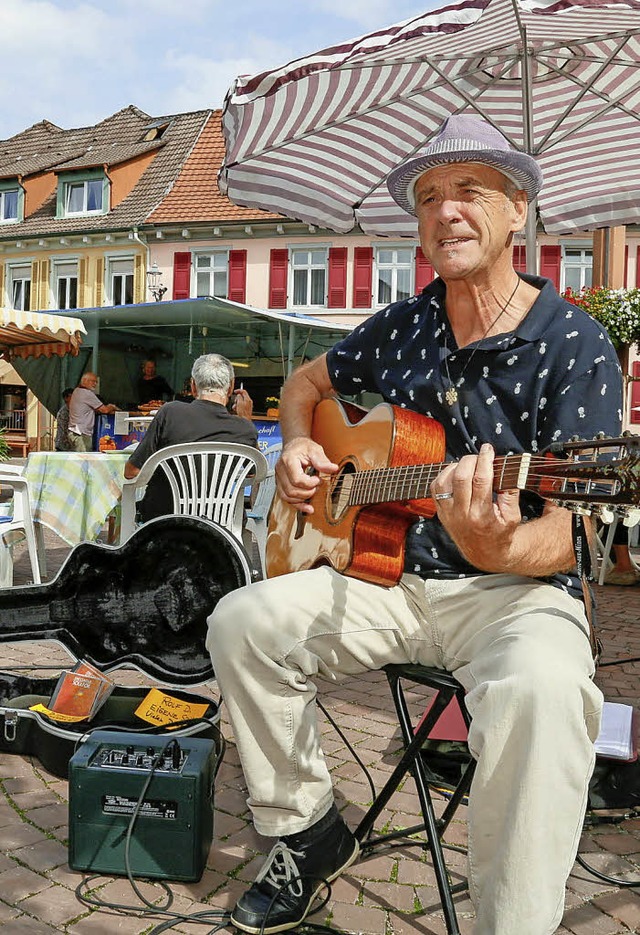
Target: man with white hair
x=83, y=407
x=205, y=419
x=489, y=590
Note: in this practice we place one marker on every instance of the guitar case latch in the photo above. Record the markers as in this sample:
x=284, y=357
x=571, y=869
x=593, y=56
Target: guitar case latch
x=10, y=725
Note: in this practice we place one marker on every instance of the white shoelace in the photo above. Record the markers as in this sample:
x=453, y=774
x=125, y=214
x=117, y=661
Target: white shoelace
x=280, y=869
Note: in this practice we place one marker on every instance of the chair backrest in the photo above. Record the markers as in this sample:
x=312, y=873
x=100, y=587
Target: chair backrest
x=206, y=479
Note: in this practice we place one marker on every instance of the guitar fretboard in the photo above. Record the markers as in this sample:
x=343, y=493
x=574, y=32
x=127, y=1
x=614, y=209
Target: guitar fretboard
x=589, y=481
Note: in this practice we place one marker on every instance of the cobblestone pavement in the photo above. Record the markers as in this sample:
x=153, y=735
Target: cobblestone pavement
x=390, y=893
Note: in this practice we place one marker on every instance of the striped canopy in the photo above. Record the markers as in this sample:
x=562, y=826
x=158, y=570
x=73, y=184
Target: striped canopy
x=38, y=334
x=316, y=139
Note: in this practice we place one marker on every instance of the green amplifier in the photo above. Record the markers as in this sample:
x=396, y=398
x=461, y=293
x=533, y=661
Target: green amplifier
x=173, y=830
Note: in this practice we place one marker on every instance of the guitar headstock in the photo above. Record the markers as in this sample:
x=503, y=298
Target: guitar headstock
x=600, y=476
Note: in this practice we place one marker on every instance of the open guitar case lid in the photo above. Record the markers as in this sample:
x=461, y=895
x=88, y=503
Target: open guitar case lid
x=142, y=605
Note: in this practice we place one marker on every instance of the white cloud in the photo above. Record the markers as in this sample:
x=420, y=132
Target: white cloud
x=75, y=62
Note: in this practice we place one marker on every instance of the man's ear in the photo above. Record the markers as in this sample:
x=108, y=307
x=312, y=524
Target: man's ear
x=520, y=210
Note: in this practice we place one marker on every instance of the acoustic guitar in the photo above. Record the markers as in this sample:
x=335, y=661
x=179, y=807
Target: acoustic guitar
x=388, y=457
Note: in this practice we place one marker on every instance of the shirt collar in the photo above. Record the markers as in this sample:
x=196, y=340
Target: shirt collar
x=531, y=328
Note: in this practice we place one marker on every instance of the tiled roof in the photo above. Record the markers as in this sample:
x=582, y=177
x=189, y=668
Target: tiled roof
x=195, y=195
x=110, y=155
x=121, y=135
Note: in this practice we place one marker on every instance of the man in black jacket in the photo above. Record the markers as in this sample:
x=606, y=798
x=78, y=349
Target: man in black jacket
x=206, y=419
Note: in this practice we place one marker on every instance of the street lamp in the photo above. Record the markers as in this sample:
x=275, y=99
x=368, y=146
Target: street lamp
x=156, y=288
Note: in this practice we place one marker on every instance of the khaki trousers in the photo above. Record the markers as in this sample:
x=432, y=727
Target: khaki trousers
x=81, y=443
x=518, y=646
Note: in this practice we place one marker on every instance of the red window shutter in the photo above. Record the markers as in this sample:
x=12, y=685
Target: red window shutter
x=634, y=416
x=337, y=277
x=626, y=264
x=520, y=258
x=181, y=275
x=278, y=267
x=237, y=275
x=425, y=272
x=550, y=263
x=362, y=276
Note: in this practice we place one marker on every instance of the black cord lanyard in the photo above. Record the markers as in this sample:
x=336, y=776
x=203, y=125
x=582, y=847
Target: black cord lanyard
x=584, y=568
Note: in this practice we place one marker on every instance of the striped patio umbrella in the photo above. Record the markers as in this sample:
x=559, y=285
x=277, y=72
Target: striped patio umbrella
x=316, y=139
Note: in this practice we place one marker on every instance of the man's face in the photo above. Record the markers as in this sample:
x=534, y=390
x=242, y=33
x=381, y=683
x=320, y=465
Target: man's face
x=91, y=382
x=465, y=219
x=149, y=369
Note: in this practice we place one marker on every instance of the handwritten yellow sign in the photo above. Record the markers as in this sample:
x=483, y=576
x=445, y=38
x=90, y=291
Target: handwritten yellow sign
x=161, y=709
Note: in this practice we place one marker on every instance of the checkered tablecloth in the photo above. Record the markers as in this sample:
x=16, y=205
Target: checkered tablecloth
x=73, y=493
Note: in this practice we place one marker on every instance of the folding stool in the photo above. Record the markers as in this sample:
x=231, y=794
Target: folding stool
x=416, y=760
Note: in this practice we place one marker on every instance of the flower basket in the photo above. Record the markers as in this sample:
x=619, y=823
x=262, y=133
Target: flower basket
x=273, y=406
x=617, y=310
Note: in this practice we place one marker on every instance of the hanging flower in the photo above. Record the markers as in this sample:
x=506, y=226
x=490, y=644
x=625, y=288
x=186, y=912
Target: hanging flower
x=272, y=402
x=617, y=310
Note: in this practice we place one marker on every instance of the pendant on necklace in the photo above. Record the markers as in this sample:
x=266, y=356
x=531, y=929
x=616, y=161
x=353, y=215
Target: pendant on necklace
x=451, y=396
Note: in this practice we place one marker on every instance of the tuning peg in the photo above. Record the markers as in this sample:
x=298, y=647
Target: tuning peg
x=631, y=518
x=579, y=508
x=600, y=436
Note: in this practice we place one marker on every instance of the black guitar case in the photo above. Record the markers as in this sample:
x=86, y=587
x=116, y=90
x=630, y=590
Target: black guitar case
x=144, y=605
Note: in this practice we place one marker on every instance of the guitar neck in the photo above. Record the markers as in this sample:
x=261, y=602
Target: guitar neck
x=587, y=481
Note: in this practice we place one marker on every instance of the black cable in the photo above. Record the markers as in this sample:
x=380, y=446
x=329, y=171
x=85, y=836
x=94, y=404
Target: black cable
x=351, y=750
x=619, y=662
x=623, y=884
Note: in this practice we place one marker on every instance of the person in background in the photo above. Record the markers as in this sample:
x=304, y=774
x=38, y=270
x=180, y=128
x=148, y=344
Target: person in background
x=206, y=419
x=151, y=386
x=62, y=441
x=83, y=407
x=489, y=590
x=624, y=570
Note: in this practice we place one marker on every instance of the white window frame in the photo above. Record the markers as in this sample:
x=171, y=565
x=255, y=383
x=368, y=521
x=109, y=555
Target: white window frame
x=210, y=252
x=3, y=196
x=57, y=263
x=394, y=267
x=68, y=185
x=11, y=280
x=583, y=263
x=310, y=267
x=110, y=273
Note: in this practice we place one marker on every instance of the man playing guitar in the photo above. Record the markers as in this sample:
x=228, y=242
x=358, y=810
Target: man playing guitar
x=503, y=365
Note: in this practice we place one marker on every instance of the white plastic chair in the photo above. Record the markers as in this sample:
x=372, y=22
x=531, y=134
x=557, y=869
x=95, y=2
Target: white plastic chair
x=16, y=526
x=258, y=515
x=206, y=479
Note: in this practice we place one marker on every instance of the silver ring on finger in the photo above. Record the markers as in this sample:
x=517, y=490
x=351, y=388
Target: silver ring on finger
x=443, y=496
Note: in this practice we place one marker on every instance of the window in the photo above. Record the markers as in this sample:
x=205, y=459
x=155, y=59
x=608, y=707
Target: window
x=212, y=274
x=82, y=194
x=20, y=287
x=121, y=282
x=309, y=272
x=9, y=201
x=66, y=284
x=394, y=267
x=577, y=267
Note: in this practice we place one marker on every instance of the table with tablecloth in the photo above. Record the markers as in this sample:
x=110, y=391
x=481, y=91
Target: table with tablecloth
x=74, y=493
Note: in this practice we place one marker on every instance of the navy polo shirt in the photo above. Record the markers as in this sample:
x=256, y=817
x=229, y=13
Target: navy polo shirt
x=556, y=376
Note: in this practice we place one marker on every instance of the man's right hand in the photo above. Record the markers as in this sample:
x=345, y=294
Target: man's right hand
x=298, y=471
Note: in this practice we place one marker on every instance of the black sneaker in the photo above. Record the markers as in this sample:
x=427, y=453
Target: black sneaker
x=294, y=874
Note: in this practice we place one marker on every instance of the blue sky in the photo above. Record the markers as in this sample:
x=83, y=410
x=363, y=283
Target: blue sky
x=74, y=62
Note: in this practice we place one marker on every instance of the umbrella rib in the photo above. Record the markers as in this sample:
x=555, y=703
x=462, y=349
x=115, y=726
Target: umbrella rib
x=608, y=104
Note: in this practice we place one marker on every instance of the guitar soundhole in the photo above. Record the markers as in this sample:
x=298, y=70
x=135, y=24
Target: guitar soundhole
x=340, y=491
